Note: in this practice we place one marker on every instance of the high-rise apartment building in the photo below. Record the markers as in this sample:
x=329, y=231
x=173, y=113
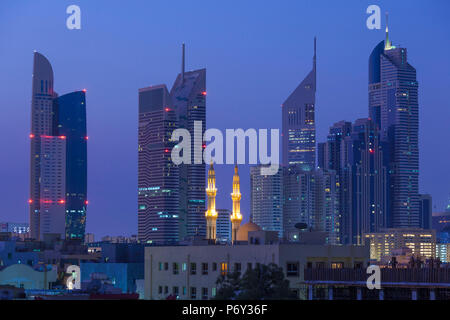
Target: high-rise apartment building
x=332, y=157
x=223, y=225
x=312, y=198
x=365, y=175
x=266, y=200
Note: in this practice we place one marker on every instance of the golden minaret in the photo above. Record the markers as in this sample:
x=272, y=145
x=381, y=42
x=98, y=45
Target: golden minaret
x=236, y=216
x=211, y=214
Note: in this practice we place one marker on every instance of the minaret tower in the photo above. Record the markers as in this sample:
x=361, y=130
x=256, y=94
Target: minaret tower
x=236, y=216
x=211, y=214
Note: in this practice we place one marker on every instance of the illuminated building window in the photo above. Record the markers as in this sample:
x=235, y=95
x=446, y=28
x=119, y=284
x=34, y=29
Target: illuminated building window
x=223, y=268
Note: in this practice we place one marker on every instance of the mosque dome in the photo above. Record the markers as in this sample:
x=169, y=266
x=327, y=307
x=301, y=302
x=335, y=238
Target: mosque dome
x=242, y=233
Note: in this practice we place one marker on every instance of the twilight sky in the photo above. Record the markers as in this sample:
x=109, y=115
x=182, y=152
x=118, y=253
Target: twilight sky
x=255, y=52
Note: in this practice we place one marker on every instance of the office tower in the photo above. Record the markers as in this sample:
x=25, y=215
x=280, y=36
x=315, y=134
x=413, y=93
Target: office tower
x=223, y=225
x=211, y=213
x=71, y=119
x=58, y=165
x=266, y=201
x=393, y=105
x=311, y=197
x=236, y=216
x=188, y=96
x=365, y=175
x=425, y=211
x=41, y=125
x=158, y=176
x=298, y=123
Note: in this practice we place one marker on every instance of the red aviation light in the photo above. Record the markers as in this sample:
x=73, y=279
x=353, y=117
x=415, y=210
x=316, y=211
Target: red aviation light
x=47, y=201
x=32, y=136
x=86, y=138
x=371, y=150
x=204, y=145
x=86, y=202
x=167, y=109
x=166, y=150
x=30, y=201
x=62, y=137
x=204, y=93
x=62, y=201
x=84, y=90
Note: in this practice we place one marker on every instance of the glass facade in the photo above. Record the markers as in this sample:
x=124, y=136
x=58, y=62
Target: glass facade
x=71, y=124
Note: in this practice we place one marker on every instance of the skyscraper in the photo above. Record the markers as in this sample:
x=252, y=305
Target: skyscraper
x=365, y=176
x=266, y=201
x=58, y=173
x=188, y=96
x=311, y=197
x=223, y=225
x=298, y=123
x=425, y=211
x=332, y=157
x=71, y=115
x=41, y=125
x=158, y=176
x=393, y=105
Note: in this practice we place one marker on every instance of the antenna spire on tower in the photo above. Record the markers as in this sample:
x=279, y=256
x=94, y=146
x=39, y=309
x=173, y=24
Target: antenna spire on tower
x=387, y=44
x=182, y=62
x=314, y=62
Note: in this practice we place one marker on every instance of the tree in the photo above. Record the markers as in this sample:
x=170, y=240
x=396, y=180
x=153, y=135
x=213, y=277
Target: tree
x=228, y=286
x=265, y=282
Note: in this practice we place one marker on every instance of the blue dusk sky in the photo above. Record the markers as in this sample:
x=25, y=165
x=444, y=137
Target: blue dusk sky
x=255, y=52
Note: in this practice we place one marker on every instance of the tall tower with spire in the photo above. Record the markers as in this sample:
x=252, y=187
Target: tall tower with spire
x=188, y=96
x=298, y=123
x=211, y=213
x=394, y=107
x=236, y=216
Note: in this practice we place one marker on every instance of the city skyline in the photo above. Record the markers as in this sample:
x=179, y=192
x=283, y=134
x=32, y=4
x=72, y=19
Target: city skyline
x=99, y=209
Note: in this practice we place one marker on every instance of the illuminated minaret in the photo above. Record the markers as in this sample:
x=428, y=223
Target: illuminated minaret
x=211, y=214
x=236, y=216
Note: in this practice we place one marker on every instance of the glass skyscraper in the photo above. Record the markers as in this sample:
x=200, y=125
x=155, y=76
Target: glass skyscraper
x=171, y=197
x=71, y=124
x=366, y=180
x=188, y=95
x=158, y=176
x=298, y=123
x=393, y=105
x=58, y=163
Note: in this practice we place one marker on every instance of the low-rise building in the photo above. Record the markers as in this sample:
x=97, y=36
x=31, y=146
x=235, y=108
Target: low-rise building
x=28, y=278
x=190, y=272
x=383, y=245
